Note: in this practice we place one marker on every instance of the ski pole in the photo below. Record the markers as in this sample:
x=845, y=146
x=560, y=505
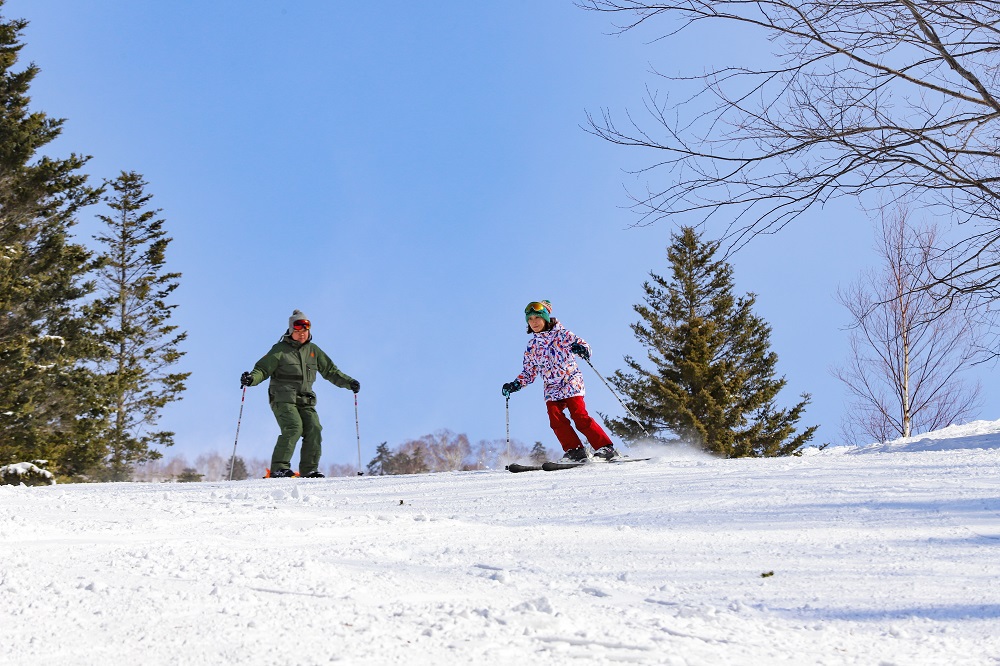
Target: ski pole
x=508, y=428
x=357, y=429
x=232, y=461
x=616, y=395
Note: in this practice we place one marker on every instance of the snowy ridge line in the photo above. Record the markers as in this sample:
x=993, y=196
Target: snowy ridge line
x=974, y=435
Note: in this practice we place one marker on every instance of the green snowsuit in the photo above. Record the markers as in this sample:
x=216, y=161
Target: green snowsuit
x=292, y=368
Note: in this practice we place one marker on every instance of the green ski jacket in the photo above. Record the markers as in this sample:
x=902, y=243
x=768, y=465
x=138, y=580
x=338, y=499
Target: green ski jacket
x=292, y=368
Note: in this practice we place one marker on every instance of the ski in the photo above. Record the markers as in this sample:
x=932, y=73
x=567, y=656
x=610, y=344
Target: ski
x=552, y=466
x=514, y=467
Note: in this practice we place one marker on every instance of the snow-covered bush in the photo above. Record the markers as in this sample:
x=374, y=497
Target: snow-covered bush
x=28, y=473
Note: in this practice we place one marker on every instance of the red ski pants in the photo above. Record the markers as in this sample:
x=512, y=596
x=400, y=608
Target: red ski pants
x=590, y=428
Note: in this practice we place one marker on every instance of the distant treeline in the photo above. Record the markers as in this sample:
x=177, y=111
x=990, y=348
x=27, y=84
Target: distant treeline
x=441, y=451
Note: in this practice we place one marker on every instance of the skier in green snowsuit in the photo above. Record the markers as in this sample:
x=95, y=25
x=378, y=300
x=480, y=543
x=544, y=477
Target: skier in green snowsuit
x=292, y=365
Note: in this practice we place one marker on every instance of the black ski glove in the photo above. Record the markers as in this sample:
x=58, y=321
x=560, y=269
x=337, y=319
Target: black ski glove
x=580, y=350
x=355, y=385
x=246, y=379
x=511, y=387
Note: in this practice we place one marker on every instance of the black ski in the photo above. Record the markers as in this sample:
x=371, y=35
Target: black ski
x=514, y=467
x=553, y=466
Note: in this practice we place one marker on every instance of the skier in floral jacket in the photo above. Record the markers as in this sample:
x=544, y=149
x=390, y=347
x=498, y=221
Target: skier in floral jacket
x=550, y=353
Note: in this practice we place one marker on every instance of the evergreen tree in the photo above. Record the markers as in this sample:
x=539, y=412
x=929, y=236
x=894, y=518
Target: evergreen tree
x=409, y=463
x=388, y=462
x=239, y=467
x=142, y=345
x=712, y=377
x=189, y=475
x=50, y=403
x=382, y=462
x=539, y=454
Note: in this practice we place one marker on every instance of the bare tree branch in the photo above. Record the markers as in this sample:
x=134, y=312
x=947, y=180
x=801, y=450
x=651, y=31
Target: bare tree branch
x=860, y=99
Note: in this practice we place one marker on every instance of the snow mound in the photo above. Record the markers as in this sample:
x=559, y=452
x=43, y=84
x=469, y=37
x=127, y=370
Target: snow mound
x=27, y=473
x=983, y=435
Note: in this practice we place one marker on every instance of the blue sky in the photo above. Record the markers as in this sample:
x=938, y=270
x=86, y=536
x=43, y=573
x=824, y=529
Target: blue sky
x=409, y=175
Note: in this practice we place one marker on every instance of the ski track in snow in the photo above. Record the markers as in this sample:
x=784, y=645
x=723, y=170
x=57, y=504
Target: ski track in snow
x=885, y=558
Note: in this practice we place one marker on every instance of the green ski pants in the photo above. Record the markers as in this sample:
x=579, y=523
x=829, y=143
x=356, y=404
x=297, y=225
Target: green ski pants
x=297, y=421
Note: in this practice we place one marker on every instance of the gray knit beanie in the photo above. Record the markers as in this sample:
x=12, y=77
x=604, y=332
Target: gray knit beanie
x=296, y=315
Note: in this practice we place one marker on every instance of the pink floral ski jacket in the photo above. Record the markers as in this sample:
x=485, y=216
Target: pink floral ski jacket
x=548, y=353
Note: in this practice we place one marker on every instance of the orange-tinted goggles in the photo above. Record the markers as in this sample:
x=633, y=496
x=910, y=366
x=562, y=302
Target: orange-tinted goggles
x=536, y=307
x=301, y=325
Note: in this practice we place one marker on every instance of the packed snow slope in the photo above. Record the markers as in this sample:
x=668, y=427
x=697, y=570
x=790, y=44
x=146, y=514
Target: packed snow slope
x=884, y=555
